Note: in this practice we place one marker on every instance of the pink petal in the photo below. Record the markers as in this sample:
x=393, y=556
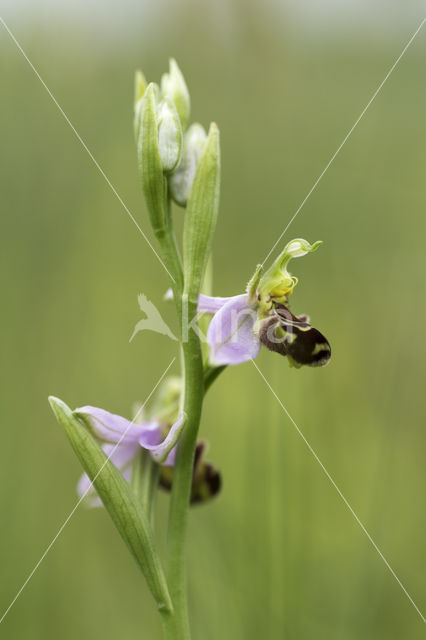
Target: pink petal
x=120, y=455
x=211, y=304
x=161, y=451
x=113, y=428
x=230, y=333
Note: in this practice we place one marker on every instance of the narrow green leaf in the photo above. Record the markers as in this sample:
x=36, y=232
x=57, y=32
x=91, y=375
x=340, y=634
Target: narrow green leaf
x=201, y=215
x=116, y=495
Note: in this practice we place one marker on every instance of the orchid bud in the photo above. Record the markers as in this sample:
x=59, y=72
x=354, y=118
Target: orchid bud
x=173, y=86
x=181, y=180
x=169, y=135
x=154, y=184
x=201, y=215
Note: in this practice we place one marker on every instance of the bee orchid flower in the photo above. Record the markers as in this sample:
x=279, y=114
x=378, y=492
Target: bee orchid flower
x=242, y=323
x=122, y=440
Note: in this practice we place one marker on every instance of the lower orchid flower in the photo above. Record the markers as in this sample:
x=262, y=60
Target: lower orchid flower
x=123, y=439
x=242, y=323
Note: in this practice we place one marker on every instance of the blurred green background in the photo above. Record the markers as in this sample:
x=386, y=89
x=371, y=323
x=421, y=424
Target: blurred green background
x=278, y=555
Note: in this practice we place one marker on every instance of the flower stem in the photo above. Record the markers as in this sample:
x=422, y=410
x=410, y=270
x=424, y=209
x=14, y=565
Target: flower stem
x=176, y=627
x=173, y=262
x=176, y=624
x=144, y=481
x=210, y=375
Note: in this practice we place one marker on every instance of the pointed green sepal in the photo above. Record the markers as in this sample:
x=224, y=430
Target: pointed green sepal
x=173, y=86
x=201, y=215
x=117, y=497
x=149, y=159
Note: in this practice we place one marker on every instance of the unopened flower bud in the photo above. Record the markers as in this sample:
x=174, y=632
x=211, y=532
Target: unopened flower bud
x=181, y=180
x=169, y=135
x=173, y=86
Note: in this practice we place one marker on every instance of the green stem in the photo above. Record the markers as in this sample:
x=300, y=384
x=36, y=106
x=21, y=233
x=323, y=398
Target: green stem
x=144, y=480
x=176, y=626
x=172, y=259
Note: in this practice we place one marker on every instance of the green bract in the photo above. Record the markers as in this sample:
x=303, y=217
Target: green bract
x=149, y=159
x=201, y=215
